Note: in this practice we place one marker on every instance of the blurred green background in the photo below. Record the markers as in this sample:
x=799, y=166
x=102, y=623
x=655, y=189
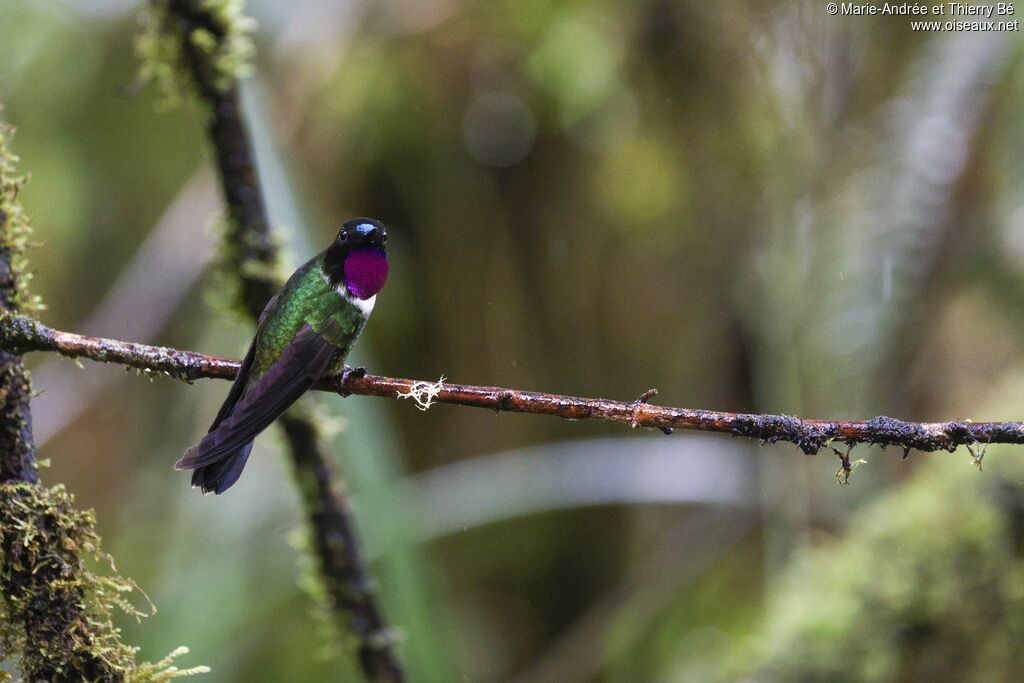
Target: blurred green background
x=750, y=206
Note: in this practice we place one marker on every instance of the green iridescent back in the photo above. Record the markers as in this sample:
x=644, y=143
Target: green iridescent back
x=306, y=298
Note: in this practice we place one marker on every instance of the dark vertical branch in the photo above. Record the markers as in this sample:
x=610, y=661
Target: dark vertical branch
x=344, y=576
x=17, y=450
x=248, y=235
x=347, y=586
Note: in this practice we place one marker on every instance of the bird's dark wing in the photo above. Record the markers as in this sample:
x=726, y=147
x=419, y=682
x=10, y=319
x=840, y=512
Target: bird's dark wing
x=304, y=360
x=238, y=386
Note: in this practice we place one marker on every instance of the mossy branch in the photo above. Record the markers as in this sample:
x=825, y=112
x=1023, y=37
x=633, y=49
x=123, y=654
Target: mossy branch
x=24, y=334
x=56, y=615
x=17, y=450
x=205, y=43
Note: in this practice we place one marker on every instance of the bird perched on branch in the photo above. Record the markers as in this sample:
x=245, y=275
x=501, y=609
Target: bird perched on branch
x=304, y=334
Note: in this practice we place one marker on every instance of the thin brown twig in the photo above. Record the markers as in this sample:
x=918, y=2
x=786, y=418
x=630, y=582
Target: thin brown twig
x=20, y=334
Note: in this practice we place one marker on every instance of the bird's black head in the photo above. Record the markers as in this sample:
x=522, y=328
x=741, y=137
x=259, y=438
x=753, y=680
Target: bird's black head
x=358, y=257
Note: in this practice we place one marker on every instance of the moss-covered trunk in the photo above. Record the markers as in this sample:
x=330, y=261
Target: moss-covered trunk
x=45, y=621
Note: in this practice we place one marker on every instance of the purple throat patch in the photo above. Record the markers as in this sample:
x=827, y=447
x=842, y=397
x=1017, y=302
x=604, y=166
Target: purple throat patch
x=365, y=272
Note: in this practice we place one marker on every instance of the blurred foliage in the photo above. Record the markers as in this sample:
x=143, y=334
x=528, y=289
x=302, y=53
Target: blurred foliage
x=927, y=584
x=750, y=206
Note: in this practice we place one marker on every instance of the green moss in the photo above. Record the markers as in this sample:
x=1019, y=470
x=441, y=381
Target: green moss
x=164, y=670
x=238, y=259
x=57, y=617
x=927, y=584
x=314, y=424
x=218, y=33
x=329, y=632
x=15, y=232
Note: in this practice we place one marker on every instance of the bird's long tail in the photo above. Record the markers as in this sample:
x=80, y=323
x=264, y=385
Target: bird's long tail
x=218, y=458
x=221, y=475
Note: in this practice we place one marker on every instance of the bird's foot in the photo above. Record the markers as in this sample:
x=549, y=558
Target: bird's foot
x=353, y=373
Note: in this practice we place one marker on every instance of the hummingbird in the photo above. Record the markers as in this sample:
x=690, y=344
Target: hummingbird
x=304, y=334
